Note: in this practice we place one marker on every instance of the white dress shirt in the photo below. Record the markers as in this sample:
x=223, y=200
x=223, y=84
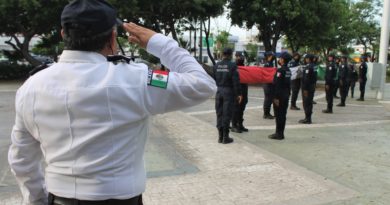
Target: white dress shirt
x=88, y=119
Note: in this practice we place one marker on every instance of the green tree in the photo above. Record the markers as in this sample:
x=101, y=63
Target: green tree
x=271, y=17
x=24, y=19
x=367, y=28
x=251, y=50
x=221, y=42
x=321, y=25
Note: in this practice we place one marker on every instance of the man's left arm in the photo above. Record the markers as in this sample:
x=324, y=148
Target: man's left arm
x=236, y=80
x=25, y=160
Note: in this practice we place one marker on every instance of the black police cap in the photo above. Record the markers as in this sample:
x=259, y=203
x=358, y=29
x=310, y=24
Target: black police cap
x=91, y=16
x=286, y=56
x=310, y=56
x=228, y=51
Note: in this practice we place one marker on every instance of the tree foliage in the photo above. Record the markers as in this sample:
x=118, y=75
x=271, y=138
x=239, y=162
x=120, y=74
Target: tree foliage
x=271, y=17
x=365, y=24
x=23, y=19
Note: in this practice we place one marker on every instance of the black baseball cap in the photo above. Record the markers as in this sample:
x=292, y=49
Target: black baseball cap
x=92, y=16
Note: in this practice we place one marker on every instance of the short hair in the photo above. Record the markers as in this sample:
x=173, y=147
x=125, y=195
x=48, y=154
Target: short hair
x=79, y=39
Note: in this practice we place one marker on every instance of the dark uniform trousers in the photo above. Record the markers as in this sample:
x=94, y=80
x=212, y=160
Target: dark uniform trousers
x=268, y=97
x=351, y=86
x=56, y=200
x=329, y=95
x=343, y=90
x=224, y=101
x=307, y=102
x=280, y=114
x=238, y=113
x=362, y=86
x=295, y=87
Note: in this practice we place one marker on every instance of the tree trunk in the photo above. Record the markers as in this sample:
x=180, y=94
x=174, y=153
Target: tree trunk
x=207, y=34
x=23, y=49
x=173, y=30
x=195, y=41
x=201, y=43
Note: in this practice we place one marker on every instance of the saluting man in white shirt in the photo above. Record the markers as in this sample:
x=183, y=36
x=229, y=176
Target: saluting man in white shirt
x=87, y=118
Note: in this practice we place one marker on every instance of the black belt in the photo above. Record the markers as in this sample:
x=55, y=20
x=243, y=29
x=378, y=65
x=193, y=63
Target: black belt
x=56, y=200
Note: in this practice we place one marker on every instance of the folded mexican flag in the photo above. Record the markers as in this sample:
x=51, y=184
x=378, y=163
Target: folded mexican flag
x=256, y=75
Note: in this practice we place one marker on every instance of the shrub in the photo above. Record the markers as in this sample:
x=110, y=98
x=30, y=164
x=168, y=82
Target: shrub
x=12, y=71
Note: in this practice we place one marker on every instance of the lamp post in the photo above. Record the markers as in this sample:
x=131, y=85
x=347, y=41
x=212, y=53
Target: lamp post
x=384, y=45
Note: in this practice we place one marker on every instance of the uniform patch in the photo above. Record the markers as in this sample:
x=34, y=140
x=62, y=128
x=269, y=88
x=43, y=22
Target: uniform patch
x=278, y=74
x=158, y=78
x=330, y=68
x=307, y=71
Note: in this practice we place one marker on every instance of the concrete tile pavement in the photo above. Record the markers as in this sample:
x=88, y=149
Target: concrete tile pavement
x=238, y=173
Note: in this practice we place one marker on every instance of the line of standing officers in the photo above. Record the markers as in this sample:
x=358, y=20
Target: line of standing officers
x=232, y=96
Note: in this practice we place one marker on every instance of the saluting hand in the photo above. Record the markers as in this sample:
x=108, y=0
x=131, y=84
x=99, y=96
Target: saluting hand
x=326, y=87
x=276, y=102
x=138, y=34
x=239, y=99
x=306, y=93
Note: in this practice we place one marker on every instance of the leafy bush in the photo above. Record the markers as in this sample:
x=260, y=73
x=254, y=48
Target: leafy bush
x=11, y=71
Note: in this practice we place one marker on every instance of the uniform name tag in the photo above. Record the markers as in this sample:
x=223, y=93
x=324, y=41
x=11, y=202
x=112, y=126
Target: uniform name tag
x=158, y=78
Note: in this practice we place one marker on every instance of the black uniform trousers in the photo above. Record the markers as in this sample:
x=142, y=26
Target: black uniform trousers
x=224, y=101
x=295, y=87
x=280, y=114
x=56, y=200
x=336, y=87
x=362, y=87
x=329, y=95
x=307, y=102
x=268, y=97
x=343, y=91
x=238, y=111
x=351, y=86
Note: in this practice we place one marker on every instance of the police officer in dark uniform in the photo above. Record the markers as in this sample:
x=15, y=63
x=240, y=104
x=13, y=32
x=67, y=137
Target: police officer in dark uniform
x=296, y=83
x=343, y=74
x=269, y=87
x=316, y=66
x=362, y=77
x=228, y=82
x=351, y=79
x=239, y=108
x=330, y=76
x=282, y=83
x=337, y=80
x=309, y=79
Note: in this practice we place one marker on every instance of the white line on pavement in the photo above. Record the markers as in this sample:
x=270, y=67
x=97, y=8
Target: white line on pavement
x=248, y=108
x=323, y=125
x=354, y=105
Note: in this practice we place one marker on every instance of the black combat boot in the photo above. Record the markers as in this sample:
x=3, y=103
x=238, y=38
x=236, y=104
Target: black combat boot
x=327, y=111
x=220, y=135
x=236, y=128
x=276, y=136
x=294, y=107
x=242, y=128
x=341, y=105
x=268, y=116
x=226, y=139
x=307, y=120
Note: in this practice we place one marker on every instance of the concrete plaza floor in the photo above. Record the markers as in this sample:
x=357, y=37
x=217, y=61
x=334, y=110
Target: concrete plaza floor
x=342, y=158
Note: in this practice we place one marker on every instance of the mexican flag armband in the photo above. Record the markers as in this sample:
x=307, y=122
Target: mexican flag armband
x=158, y=78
